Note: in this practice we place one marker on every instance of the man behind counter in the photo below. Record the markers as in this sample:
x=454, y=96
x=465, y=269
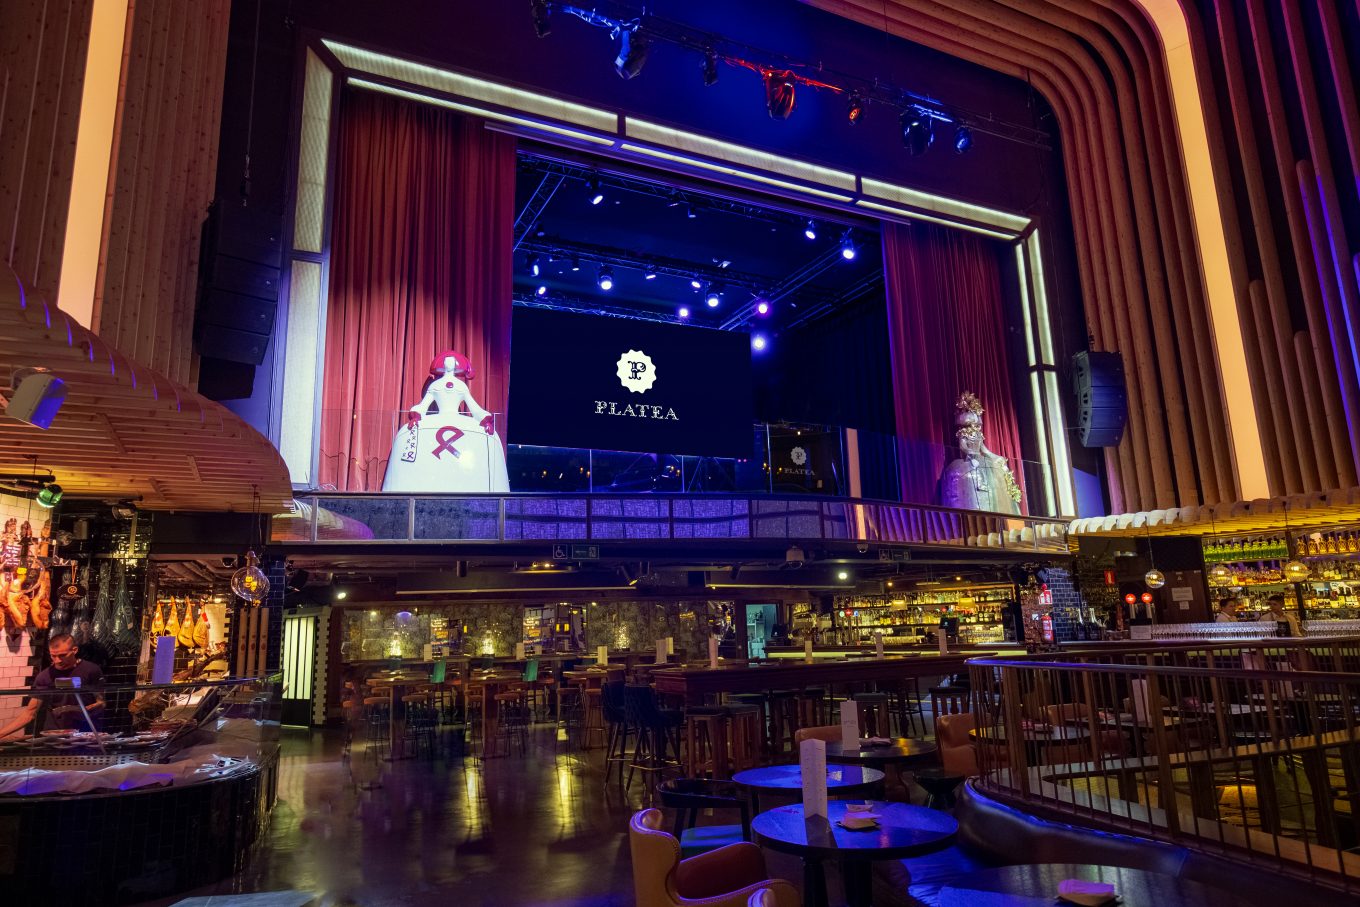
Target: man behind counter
x=67, y=669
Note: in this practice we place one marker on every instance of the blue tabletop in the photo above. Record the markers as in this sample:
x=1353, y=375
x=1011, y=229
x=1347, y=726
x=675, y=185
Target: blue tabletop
x=790, y=777
x=903, y=831
x=1037, y=886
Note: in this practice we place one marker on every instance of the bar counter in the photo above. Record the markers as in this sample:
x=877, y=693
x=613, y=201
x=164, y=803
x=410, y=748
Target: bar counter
x=693, y=685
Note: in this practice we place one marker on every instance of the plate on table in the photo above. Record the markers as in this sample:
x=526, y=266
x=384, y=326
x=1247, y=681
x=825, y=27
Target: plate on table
x=59, y=732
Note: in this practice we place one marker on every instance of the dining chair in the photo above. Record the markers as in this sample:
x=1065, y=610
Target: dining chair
x=726, y=877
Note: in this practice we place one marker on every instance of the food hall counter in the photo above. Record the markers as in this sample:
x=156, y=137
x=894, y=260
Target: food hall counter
x=188, y=770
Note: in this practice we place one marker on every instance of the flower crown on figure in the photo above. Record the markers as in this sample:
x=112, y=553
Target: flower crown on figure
x=462, y=365
x=969, y=419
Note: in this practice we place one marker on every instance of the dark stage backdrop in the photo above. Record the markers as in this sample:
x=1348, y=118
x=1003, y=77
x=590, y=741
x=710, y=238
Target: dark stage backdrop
x=624, y=384
x=421, y=262
x=947, y=331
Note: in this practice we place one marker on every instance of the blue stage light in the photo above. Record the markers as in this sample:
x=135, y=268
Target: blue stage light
x=759, y=343
x=963, y=139
x=605, y=278
x=810, y=230
x=541, y=291
x=713, y=296
x=684, y=311
x=848, y=250
x=594, y=190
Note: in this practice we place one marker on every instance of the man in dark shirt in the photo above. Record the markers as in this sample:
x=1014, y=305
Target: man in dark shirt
x=67, y=671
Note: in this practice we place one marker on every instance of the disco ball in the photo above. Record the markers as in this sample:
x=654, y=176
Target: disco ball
x=1296, y=571
x=249, y=583
x=1154, y=578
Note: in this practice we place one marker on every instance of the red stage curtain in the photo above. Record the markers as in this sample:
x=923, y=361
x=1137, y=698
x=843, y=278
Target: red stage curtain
x=421, y=261
x=947, y=328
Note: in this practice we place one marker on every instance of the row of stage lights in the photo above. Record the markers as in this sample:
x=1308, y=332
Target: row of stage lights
x=916, y=122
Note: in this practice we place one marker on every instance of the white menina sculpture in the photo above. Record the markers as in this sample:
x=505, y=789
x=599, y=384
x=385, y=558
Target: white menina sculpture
x=447, y=450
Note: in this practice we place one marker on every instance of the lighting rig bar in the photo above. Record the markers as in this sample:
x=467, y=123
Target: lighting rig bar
x=622, y=258
x=565, y=303
x=787, y=287
x=636, y=30
x=533, y=209
x=861, y=287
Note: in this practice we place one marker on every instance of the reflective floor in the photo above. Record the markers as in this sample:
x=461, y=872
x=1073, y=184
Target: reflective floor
x=542, y=828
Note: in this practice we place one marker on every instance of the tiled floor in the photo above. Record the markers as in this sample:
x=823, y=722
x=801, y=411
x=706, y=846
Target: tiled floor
x=538, y=829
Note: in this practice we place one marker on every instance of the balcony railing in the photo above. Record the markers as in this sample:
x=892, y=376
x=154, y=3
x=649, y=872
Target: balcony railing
x=375, y=518
x=1241, y=750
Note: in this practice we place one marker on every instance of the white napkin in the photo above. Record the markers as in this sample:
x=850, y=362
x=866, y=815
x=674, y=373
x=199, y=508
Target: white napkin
x=876, y=741
x=1087, y=894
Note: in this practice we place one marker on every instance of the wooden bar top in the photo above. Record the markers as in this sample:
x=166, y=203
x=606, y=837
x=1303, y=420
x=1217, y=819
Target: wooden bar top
x=693, y=684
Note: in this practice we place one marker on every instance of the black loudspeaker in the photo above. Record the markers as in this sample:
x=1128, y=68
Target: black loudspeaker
x=238, y=283
x=1102, y=401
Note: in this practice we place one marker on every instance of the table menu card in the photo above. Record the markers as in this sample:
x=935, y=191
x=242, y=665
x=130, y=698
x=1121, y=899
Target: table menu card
x=849, y=725
x=812, y=762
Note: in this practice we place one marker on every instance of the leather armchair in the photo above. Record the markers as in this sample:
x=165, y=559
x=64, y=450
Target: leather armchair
x=726, y=877
x=957, y=754
x=831, y=733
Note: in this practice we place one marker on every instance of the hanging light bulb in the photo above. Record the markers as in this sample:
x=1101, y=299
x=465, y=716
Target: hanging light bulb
x=249, y=583
x=1296, y=571
x=1219, y=574
x=1154, y=578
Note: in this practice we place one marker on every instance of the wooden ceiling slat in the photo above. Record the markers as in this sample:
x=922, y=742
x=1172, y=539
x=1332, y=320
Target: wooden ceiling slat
x=125, y=431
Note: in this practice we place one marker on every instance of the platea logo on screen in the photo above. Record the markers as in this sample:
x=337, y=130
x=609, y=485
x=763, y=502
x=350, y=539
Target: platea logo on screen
x=636, y=372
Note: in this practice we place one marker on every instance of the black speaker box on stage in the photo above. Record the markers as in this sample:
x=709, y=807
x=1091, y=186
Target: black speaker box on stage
x=238, y=283
x=1102, y=401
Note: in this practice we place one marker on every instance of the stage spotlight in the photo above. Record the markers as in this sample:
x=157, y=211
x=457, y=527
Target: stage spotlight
x=690, y=213
x=779, y=93
x=758, y=342
x=594, y=190
x=696, y=283
x=710, y=67
x=848, y=250
x=762, y=308
x=576, y=263
x=541, y=291
x=917, y=131
x=810, y=229
x=535, y=264
x=541, y=10
x=963, y=139
x=650, y=274
x=684, y=311
x=633, y=46
x=854, y=107
x=713, y=295
x=605, y=278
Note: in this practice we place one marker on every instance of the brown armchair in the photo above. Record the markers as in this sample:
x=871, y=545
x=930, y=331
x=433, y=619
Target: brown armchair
x=831, y=733
x=726, y=877
x=957, y=753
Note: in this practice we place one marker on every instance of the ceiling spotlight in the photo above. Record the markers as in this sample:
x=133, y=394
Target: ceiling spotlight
x=49, y=496
x=605, y=278
x=848, y=250
x=341, y=595
x=842, y=575
x=696, y=283
x=540, y=10
x=854, y=107
x=917, y=131
x=541, y=291
x=810, y=229
x=963, y=139
x=713, y=295
x=650, y=273
x=576, y=262
x=758, y=342
x=684, y=311
x=710, y=67
x=535, y=264
x=762, y=307
x=779, y=93
x=633, y=46
x=594, y=190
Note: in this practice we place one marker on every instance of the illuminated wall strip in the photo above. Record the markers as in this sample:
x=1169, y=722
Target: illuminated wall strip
x=740, y=155
x=90, y=167
x=733, y=171
x=1202, y=182
x=443, y=80
x=479, y=111
x=906, y=214
x=1042, y=323
x=1057, y=432
x=1040, y=425
x=309, y=212
x=303, y=343
x=1025, y=303
x=941, y=205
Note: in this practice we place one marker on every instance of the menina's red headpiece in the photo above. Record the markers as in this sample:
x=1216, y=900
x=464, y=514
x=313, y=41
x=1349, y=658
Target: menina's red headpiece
x=462, y=365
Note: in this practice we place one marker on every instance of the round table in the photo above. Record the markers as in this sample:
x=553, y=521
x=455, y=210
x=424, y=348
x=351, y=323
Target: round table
x=841, y=781
x=1036, y=739
x=900, y=750
x=1037, y=886
x=903, y=831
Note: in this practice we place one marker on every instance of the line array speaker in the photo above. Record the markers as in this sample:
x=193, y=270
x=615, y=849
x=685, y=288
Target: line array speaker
x=1102, y=400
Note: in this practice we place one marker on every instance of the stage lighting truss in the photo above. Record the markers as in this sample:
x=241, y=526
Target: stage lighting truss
x=782, y=76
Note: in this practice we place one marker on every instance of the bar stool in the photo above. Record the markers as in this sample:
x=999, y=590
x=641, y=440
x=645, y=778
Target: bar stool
x=616, y=718
x=377, y=720
x=655, y=729
x=873, y=713
x=908, y=705
x=706, y=742
x=783, y=719
x=746, y=736
x=760, y=701
x=512, y=718
x=811, y=707
x=592, y=721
